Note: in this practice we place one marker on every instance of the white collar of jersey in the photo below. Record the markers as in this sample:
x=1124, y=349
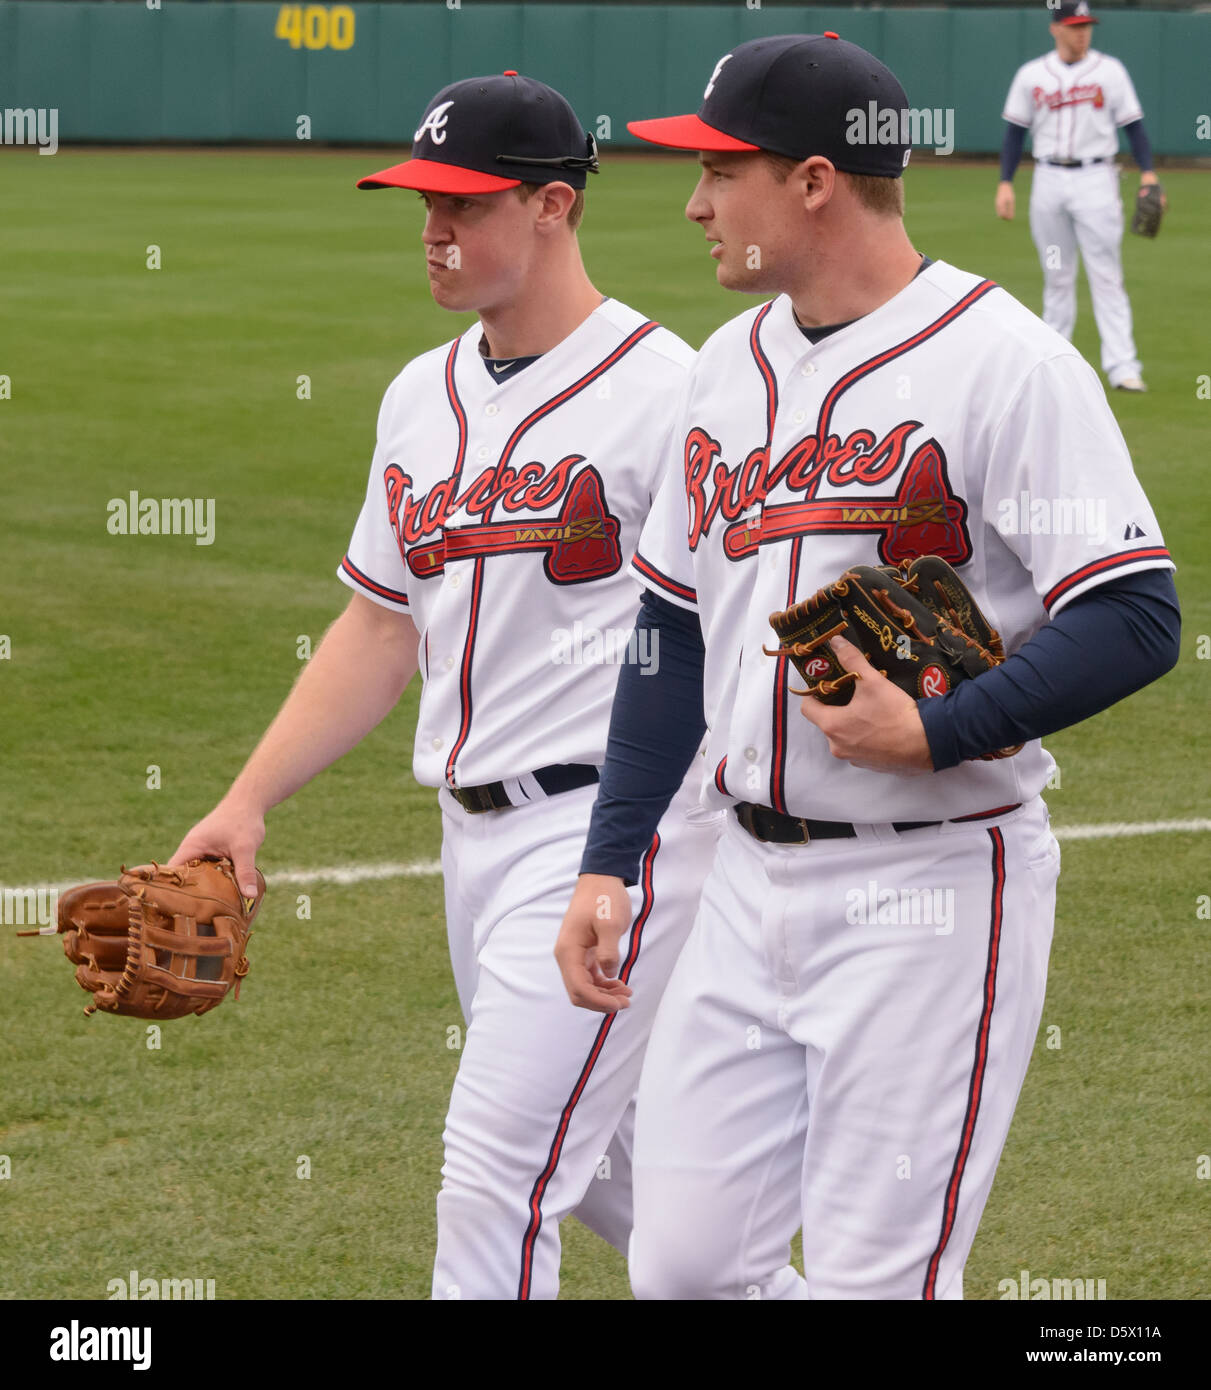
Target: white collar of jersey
x=782, y=337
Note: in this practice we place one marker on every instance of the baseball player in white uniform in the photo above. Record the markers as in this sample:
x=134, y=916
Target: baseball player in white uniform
x=843, y=1040
x=513, y=469
x=1074, y=102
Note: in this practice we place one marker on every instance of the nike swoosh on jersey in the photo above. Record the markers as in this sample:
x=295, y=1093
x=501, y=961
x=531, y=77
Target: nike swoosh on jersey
x=502, y=366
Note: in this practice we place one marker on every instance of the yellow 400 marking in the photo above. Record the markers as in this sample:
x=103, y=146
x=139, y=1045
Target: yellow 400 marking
x=315, y=26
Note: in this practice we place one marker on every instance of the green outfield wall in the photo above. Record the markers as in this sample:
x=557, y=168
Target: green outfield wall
x=362, y=73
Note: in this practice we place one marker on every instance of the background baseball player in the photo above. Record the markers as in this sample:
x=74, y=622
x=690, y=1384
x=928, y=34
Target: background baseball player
x=1073, y=102
x=844, y=1037
x=512, y=471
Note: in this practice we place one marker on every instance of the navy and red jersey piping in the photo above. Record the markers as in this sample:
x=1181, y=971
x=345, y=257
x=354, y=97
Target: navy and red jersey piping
x=1099, y=569
x=979, y=1066
x=630, y=341
x=781, y=696
x=660, y=580
x=543, y=1181
x=370, y=585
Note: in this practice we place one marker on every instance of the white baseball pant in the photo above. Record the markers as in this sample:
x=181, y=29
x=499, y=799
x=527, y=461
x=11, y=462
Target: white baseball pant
x=1075, y=213
x=538, y=1125
x=841, y=1048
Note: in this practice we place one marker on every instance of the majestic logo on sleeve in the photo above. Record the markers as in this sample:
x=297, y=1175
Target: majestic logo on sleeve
x=435, y=123
x=922, y=517
x=579, y=544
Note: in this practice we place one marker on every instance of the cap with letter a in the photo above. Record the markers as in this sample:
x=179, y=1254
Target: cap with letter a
x=1071, y=12
x=485, y=134
x=797, y=95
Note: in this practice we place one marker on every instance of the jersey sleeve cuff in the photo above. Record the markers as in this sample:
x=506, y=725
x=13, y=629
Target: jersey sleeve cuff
x=651, y=577
x=348, y=573
x=1099, y=571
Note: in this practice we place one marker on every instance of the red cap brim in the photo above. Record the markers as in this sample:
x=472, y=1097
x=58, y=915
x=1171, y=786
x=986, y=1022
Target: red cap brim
x=1079, y=19
x=686, y=133
x=429, y=176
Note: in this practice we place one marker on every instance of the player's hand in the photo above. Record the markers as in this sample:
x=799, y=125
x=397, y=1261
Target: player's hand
x=879, y=729
x=233, y=830
x=1151, y=177
x=587, y=946
x=1005, y=201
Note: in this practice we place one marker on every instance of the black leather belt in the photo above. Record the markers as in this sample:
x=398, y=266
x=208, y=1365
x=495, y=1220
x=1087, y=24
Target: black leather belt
x=492, y=796
x=772, y=827
x=1072, y=163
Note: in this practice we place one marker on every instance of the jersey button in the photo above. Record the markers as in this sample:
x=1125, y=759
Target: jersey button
x=482, y=453
x=751, y=754
x=809, y=369
x=799, y=416
x=455, y=580
x=437, y=743
x=448, y=664
x=491, y=409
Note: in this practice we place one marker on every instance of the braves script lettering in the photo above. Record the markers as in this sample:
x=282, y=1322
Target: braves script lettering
x=922, y=517
x=530, y=487
x=1082, y=93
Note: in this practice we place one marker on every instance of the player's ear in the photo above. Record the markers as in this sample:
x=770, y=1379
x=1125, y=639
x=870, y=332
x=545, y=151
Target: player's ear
x=815, y=180
x=552, y=203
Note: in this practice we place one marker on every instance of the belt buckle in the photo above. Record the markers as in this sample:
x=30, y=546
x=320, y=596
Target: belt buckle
x=746, y=813
x=473, y=800
x=807, y=839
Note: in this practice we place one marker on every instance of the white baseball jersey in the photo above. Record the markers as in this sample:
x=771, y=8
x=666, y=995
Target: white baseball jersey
x=950, y=421
x=490, y=504
x=1072, y=110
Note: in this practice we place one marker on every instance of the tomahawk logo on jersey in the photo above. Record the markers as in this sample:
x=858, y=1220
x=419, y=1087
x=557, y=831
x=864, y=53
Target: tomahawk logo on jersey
x=489, y=498
x=830, y=464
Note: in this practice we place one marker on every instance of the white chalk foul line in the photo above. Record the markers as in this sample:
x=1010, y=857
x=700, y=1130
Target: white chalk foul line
x=1113, y=830
x=347, y=875
x=344, y=874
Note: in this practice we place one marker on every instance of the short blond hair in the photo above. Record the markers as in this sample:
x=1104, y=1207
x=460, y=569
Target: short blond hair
x=875, y=192
x=525, y=191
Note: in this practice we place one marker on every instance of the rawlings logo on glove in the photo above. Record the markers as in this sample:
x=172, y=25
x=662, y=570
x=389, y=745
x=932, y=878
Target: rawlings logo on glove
x=159, y=942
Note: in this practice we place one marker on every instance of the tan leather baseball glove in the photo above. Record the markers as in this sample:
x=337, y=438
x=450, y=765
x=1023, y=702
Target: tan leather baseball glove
x=159, y=942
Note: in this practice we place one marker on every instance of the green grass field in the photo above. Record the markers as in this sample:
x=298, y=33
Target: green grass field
x=183, y=1161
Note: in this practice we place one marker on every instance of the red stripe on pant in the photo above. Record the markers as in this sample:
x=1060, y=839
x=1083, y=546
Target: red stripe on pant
x=979, y=1065
x=544, y=1178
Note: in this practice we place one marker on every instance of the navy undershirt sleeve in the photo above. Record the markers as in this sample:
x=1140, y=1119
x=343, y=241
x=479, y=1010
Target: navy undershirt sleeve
x=1141, y=148
x=1098, y=649
x=1011, y=150
x=656, y=727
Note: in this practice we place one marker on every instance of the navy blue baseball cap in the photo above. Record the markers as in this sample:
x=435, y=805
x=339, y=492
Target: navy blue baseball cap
x=1071, y=12
x=489, y=133
x=796, y=95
